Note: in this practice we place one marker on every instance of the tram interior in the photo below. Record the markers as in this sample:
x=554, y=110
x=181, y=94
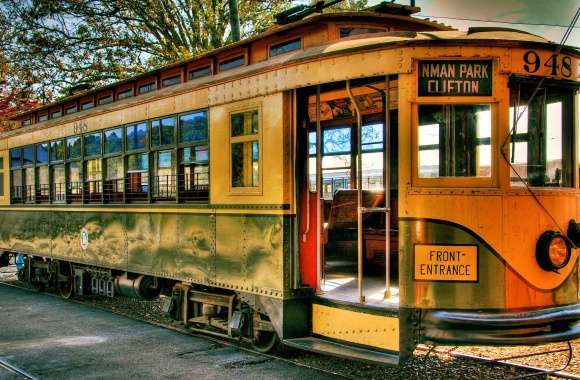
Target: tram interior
x=339, y=196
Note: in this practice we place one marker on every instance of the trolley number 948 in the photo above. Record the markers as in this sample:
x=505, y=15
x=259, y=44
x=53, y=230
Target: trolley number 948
x=556, y=64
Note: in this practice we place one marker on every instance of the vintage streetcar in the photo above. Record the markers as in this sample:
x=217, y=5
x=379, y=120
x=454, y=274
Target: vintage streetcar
x=352, y=183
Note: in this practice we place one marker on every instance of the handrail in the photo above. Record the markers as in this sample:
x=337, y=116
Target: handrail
x=359, y=192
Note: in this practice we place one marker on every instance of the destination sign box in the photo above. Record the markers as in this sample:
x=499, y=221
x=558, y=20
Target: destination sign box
x=446, y=263
x=455, y=78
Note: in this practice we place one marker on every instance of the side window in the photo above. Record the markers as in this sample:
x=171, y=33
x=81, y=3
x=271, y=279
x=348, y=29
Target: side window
x=29, y=175
x=164, y=184
x=1, y=176
x=17, y=185
x=114, y=168
x=245, y=149
x=57, y=170
x=454, y=140
x=541, y=147
x=163, y=131
x=194, y=158
x=73, y=147
x=42, y=177
x=93, y=180
x=74, y=178
x=137, y=177
x=136, y=136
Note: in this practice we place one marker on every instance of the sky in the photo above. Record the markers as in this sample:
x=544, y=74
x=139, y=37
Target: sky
x=520, y=12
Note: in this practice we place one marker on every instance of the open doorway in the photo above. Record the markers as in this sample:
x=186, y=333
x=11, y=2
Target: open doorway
x=338, y=121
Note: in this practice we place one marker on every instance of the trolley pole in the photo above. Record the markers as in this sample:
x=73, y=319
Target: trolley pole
x=234, y=20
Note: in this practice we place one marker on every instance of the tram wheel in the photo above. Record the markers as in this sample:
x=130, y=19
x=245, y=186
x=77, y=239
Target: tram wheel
x=65, y=285
x=265, y=341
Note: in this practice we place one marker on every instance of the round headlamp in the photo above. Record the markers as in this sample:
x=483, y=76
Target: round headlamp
x=553, y=251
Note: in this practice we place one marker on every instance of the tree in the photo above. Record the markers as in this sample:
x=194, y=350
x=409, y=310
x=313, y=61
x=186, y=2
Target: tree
x=57, y=44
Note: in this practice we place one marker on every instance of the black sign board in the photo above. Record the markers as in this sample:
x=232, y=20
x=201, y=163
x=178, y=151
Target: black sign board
x=455, y=78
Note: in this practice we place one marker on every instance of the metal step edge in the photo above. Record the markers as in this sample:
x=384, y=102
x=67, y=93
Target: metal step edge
x=319, y=299
x=323, y=346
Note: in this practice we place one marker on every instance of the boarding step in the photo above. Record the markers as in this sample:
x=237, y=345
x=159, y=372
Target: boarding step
x=358, y=325
x=327, y=347
x=387, y=309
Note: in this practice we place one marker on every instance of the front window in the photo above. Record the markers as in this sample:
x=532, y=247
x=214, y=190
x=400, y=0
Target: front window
x=541, y=136
x=454, y=140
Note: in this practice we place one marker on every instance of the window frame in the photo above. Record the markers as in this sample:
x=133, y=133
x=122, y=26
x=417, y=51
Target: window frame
x=232, y=57
x=191, y=70
x=70, y=106
x=151, y=82
x=165, y=80
x=161, y=146
x=44, y=115
x=193, y=144
x=104, y=141
x=103, y=96
x=446, y=182
x=146, y=148
x=124, y=90
x=83, y=102
x=282, y=42
x=246, y=190
x=574, y=132
x=380, y=29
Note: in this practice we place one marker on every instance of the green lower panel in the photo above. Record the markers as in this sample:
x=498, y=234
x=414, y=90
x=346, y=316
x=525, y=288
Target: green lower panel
x=241, y=252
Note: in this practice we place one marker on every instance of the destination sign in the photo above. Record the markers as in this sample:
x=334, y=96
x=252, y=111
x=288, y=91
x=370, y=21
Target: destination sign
x=446, y=263
x=455, y=78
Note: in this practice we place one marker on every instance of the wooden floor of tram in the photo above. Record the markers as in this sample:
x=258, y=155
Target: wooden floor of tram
x=340, y=283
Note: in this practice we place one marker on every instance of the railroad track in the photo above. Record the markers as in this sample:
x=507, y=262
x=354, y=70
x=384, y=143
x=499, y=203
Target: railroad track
x=15, y=370
x=524, y=371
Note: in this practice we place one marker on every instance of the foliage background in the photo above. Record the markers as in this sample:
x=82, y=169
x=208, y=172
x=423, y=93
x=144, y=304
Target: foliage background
x=49, y=47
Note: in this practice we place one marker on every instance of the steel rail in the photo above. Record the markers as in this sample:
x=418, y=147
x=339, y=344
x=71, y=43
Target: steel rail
x=234, y=343
x=18, y=371
x=538, y=370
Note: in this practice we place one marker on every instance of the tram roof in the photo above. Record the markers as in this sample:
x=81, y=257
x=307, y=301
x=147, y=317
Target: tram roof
x=435, y=33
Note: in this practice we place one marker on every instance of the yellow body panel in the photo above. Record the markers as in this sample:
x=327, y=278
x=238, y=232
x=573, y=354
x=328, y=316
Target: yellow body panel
x=273, y=161
x=505, y=217
x=356, y=327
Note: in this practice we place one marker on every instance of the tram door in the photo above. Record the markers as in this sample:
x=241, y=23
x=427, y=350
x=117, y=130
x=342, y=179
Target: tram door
x=348, y=221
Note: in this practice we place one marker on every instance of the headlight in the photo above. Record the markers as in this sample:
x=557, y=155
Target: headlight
x=553, y=251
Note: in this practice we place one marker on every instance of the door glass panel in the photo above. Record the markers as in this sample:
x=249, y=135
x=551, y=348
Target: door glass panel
x=336, y=140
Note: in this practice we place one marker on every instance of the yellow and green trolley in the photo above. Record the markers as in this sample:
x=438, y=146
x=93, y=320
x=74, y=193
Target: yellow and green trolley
x=354, y=183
